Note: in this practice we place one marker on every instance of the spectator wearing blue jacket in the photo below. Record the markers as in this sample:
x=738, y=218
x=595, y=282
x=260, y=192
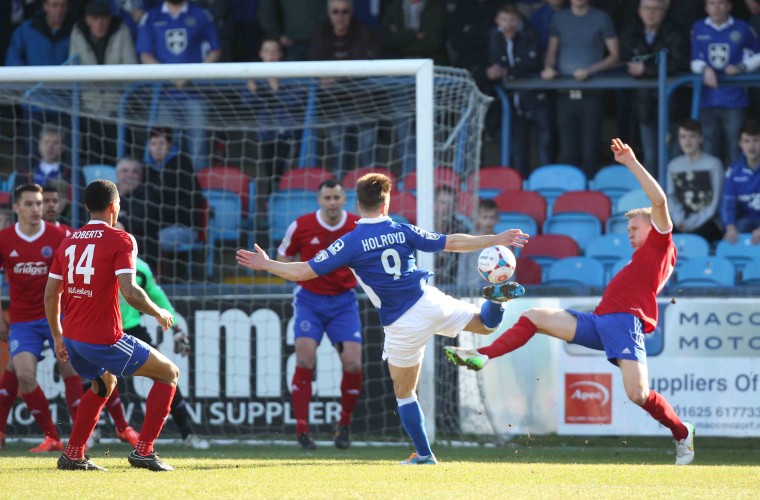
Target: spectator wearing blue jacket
x=740, y=207
x=722, y=46
x=44, y=39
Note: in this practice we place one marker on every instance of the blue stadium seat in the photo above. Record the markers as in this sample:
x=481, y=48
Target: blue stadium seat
x=285, y=207
x=92, y=172
x=632, y=199
x=739, y=253
x=575, y=271
x=515, y=220
x=614, y=181
x=690, y=246
x=617, y=267
x=553, y=180
x=706, y=271
x=582, y=227
x=617, y=224
x=751, y=272
x=609, y=249
x=225, y=222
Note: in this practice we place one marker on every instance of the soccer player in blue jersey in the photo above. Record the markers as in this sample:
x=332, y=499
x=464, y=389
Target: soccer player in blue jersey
x=380, y=252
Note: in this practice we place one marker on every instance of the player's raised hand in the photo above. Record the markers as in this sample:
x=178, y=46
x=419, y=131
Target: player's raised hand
x=60, y=350
x=513, y=237
x=165, y=319
x=254, y=260
x=623, y=152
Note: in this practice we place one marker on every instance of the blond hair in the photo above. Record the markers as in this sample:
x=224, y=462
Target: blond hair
x=645, y=212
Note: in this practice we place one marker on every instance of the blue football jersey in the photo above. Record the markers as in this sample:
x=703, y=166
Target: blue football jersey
x=187, y=38
x=731, y=43
x=380, y=252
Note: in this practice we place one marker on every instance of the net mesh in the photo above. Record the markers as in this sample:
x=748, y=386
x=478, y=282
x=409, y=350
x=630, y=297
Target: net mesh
x=252, y=153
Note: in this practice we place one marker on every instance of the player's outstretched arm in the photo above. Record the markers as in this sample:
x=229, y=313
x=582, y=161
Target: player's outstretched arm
x=459, y=242
x=660, y=215
x=53, y=291
x=260, y=261
x=137, y=298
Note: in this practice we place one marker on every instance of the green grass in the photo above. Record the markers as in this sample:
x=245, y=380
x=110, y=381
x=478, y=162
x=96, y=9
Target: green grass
x=528, y=467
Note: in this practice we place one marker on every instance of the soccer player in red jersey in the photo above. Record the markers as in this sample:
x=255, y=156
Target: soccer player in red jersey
x=26, y=252
x=627, y=311
x=326, y=304
x=88, y=270
x=51, y=201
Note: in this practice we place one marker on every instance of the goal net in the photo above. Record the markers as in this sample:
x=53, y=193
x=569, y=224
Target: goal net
x=253, y=142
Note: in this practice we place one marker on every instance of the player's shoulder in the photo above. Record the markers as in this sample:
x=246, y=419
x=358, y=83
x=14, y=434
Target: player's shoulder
x=55, y=230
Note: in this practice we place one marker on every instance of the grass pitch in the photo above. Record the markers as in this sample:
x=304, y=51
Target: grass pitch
x=527, y=467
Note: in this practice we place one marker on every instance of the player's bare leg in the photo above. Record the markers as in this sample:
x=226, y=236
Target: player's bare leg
x=25, y=366
x=351, y=357
x=306, y=359
x=165, y=376
x=405, y=381
x=636, y=382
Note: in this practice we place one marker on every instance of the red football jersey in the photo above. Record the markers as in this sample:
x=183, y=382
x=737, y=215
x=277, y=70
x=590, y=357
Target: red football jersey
x=307, y=236
x=26, y=260
x=89, y=262
x=634, y=289
x=66, y=228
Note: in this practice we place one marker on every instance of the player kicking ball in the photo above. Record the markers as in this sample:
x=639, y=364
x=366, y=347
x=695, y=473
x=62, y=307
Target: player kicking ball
x=627, y=311
x=88, y=270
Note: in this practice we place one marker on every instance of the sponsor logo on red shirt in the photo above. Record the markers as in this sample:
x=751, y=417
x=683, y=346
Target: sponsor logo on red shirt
x=588, y=398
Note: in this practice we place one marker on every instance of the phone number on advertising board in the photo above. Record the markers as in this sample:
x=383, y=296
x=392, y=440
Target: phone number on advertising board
x=718, y=411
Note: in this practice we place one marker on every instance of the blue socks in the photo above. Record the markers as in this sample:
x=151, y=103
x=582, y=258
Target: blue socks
x=414, y=424
x=491, y=314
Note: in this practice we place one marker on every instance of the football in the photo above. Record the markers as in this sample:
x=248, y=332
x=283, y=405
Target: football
x=496, y=264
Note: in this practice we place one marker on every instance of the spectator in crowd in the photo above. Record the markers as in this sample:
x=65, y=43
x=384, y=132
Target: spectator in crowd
x=468, y=31
x=100, y=38
x=578, y=39
x=515, y=52
x=448, y=221
x=722, y=45
x=44, y=39
x=541, y=19
x=639, y=46
x=180, y=32
x=175, y=188
x=6, y=217
x=138, y=207
x=50, y=165
x=340, y=38
x=485, y=223
x=740, y=207
x=292, y=22
x=245, y=30
x=694, y=185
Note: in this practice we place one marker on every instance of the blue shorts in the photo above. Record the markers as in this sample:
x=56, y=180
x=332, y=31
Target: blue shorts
x=122, y=358
x=619, y=335
x=30, y=336
x=337, y=315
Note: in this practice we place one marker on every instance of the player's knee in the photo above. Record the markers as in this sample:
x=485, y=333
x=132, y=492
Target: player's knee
x=536, y=316
x=172, y=374
x=352, y=366
x=307, y=362
x=26, y=380
x=637, y=395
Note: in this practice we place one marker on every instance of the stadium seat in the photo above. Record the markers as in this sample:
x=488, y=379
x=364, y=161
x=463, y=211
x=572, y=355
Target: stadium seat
x=590, y=202
x=225, y=222
x=690, y=246
x=617, y=267
x=582, y=227
x=308, y=178
x=493, y=180
x=553, y=180
x=442, y=177
x=575, y=271
x=285, y=207
x=617, y=224
x=739, y=253
x=751, y=272
x=466, y=205
x=525, y=202
x=632, y=199
x=609, y=249
x=527, y=271
x=514, y=220
x=230, y=179
x=92, y=172
x=349, y=180
x=547, y=248
x=614, y=181
x=405, y=205
x=707, y=271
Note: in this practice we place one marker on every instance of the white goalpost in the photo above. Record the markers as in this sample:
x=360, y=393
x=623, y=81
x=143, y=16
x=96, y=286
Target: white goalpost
x=405, y=115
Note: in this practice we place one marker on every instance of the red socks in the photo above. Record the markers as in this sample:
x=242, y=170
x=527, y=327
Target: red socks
x=515, y=337
x=157, y=407
x=116, y=410
x=38, y=407
x=88, y=415
x=74, y=393
x=660, y=409
x=301, y=396
x=350, y=389
x=8, y=393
